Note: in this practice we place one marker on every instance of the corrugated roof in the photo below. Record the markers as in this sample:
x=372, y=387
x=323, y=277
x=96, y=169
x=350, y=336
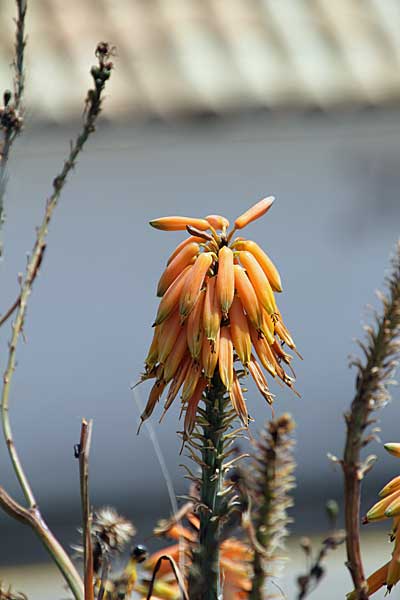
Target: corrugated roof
x=178, y=57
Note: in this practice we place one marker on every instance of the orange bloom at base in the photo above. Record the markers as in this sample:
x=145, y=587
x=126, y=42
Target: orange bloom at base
x=235, y=563
x=217, y=312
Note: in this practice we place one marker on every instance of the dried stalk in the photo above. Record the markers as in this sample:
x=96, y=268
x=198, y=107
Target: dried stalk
x=4, y=318
x=83, y=455
x=373, y=376
x=100, y=74
x=177, y=574
x=11, y=114
x=270, y=480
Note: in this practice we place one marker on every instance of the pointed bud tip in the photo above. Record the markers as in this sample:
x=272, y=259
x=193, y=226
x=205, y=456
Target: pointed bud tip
x=393, y=448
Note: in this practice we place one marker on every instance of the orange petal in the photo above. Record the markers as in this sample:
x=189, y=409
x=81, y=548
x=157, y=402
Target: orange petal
x=165, y=566
x=259, y=281
x=154, y=396
x=255, y=212
x=170, y=300
x=184, y=243
x=393, y=575
x=238, y=401
x=248, y=297
x=218, y=222
x=175, y=357
x=177, y=382
x=191, y=410
x=392, y=486
x=263, y=351
x=225, y=279
x=209, y=356
x=374, y=582
x=195, y=327
x=377, y=512
x=263, y=260
x=192, y=378
x=280, y=353
x=259, y=379
x=193, y=284
x=179, y=223
x=184, y=258
x=211, y=311
x=152, y=355
x=225, y=359
x=170, y=329
x=240, y=331
x=393, y=510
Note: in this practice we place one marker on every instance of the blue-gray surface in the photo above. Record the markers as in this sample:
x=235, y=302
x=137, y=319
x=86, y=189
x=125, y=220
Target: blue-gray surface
x=331, y=231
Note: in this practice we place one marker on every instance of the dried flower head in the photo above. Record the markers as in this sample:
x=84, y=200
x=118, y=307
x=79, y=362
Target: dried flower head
x=111, y=530
x=217, y=306
x=270, y=480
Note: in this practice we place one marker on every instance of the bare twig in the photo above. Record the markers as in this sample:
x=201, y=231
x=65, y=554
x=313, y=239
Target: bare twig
x=177, y=574
x=373, y=376
x=10, y=311
x=84, y=450
x=11, y=113
x=308, y=582
x=100, y=74
x=33, y=518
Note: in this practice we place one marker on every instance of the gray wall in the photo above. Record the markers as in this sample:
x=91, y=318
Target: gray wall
x=334, y=224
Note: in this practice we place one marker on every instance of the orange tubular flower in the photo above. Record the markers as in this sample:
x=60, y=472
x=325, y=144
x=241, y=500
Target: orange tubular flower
x=235, y=561
x=225, y=279
x=217, y=312
x=388, y=507
x=184, y=258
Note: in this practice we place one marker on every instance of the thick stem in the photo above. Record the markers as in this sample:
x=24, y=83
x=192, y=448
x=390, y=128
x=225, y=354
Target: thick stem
x=352, y=495
x=258, y=578
x=84, y=450
x=204, y=579
x=33, y=518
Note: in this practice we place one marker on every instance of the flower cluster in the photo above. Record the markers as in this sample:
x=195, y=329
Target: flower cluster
x=217, y=305
x=388, y=507
x=235, y=562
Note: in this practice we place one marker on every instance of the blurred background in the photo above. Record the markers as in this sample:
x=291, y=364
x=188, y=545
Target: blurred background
x=212, y=105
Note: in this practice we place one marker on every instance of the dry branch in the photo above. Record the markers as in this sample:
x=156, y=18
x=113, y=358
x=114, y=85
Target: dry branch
x=373, y=376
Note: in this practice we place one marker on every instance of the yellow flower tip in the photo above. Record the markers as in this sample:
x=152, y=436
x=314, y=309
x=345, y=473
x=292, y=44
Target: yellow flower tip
x=393, y=448
x=390, y=487
x=179, y=223
x=378, y=511
x=255, y=212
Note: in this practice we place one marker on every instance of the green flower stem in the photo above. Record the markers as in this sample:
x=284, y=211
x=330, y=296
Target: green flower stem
x=204, y=579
